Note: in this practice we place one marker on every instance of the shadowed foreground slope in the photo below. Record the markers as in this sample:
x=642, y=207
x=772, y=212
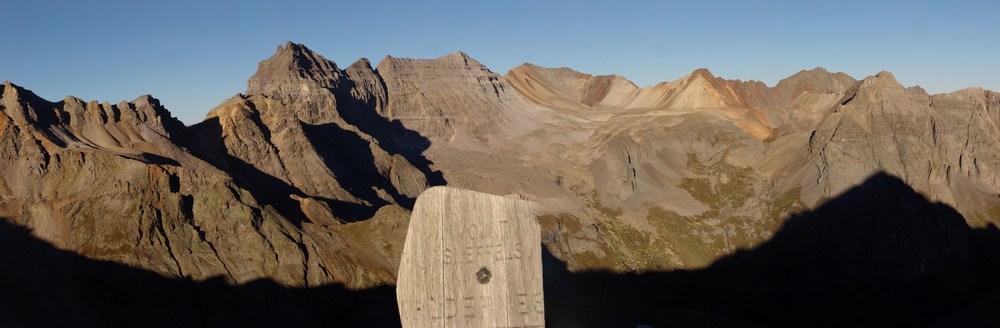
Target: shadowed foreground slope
x=41, y=286
x=879, y=254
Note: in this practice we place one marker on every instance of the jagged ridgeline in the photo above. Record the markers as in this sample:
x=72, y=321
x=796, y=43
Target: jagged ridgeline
x=307, y=178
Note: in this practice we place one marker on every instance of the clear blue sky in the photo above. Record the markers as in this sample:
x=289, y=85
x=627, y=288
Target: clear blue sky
x=194, y=54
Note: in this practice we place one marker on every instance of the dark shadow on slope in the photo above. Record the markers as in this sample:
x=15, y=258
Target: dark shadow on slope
x=150, y=158
x=878, y=255
x=352, y=162
x=344, y=152
x=42, y=286
x=265, y=188
x=392, y=136
x=351, y=212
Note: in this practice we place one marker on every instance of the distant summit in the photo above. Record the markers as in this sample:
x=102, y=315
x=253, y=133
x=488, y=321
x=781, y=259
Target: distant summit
x=293, y=68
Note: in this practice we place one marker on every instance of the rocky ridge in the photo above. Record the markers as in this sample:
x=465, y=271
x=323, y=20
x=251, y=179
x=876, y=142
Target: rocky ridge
x=307, y=178
x=129, y=183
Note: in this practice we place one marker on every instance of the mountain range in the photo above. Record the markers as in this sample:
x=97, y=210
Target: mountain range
x=308, y=177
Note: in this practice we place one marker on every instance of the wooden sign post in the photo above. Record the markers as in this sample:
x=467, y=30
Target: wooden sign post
x=471, y=260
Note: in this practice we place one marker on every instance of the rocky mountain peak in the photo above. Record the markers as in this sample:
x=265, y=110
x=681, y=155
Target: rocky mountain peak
x=881, y=86
x=456, y=60
x=23, y=105
x=883, y=81
x=885, y=75
x=564, y=87
x=298, y=51
x=703, y=73
x=8, y=88
x=525, y=65
x=469, y=99
x=293, y=69
x=817, y=80
x=916, y=89
x=818, y=69
x=463, y=58
x=362, y=63
x=701, y=89
x=146, y=99
x=458, y=54
x=562, y=74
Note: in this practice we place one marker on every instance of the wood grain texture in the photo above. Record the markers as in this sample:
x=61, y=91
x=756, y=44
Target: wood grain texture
x=453, y=233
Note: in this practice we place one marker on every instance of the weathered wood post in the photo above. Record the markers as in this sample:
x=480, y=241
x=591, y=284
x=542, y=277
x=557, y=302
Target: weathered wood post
x=471, y=260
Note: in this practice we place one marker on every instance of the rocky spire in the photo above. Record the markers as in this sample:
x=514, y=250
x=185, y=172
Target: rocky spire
x=293, y=69
x=916, y=89
x=700, y=89
x=882, y=86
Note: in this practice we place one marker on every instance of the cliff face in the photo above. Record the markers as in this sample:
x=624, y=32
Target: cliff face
x=260, y=190
x=307, y=177
x=312, y=129
x=453, y=98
